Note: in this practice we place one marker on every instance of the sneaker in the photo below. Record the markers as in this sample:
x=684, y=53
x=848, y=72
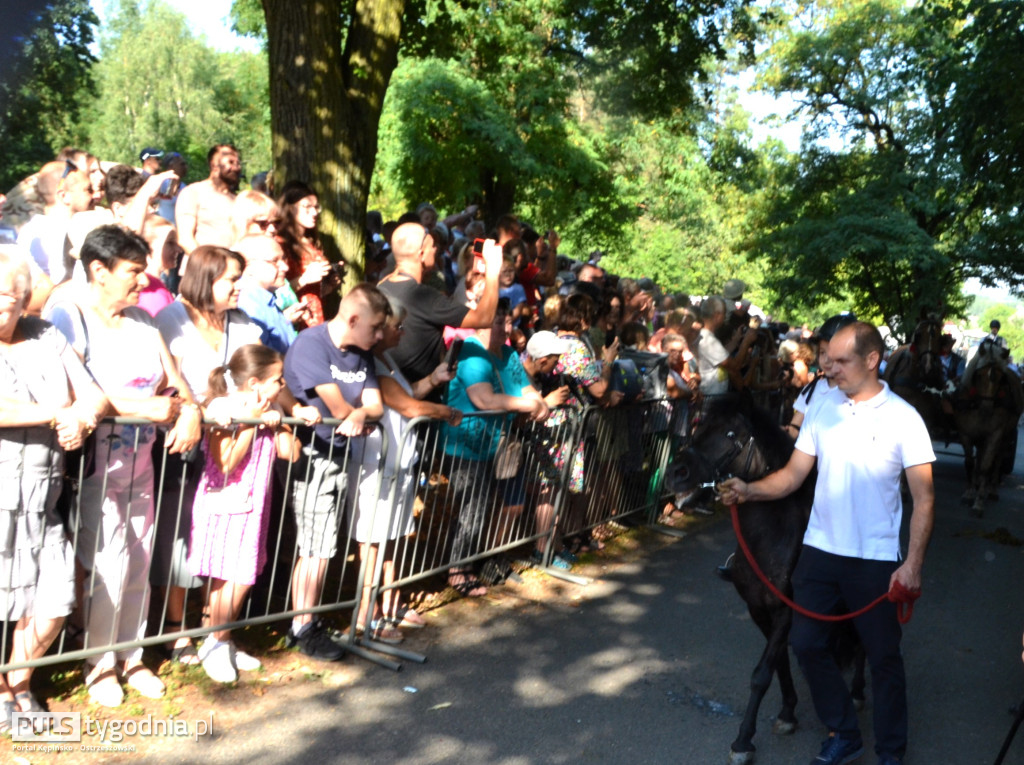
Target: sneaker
x=556, y=562
x=314, y=640
x=216, y=658
x=836, y=750
x=244, y=662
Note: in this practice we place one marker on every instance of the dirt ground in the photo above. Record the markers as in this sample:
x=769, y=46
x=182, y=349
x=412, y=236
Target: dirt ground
x=193, y=699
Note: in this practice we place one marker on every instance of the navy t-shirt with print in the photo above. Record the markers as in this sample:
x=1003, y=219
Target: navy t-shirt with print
x=312, y=360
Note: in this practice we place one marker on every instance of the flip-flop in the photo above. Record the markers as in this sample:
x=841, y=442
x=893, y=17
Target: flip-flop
x=469, y=587
x=402, y=619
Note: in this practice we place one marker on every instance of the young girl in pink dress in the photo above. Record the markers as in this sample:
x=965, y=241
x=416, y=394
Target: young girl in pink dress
x=230, y=515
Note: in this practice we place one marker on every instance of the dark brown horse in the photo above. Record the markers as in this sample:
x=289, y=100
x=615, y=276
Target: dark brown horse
x=733, y=437
x=987, y=406
x=915, y=373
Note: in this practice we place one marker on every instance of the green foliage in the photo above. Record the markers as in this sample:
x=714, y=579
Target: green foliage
x=877, y=219
x=42, y=98
x=647, y=55
x=1011, y=325
x=158, y=85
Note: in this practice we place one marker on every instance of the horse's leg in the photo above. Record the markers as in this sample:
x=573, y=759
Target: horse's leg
x=969, y=467
x=775, y=625
x=786, y=721
x=857, y=683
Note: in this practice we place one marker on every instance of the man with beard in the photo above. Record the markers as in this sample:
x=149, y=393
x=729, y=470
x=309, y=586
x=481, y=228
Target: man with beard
x=203, y=210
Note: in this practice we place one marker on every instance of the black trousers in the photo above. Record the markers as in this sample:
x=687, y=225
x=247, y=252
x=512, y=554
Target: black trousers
x=822, y=582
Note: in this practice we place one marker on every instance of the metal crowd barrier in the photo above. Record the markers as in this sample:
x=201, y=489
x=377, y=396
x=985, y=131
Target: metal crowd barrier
x=269, y=599
x=462, y=514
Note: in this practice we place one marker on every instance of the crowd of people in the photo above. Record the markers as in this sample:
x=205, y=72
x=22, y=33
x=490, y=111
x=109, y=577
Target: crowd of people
x=130, y=293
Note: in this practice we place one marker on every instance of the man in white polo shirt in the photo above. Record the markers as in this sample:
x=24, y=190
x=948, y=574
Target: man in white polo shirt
x=861, y=443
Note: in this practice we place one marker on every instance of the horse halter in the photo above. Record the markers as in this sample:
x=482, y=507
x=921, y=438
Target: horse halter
x=736, y=450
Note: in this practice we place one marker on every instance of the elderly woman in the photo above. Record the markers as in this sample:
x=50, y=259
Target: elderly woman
x=125, y=354
x=37, y=422
x=391, y=516
x=490, y=377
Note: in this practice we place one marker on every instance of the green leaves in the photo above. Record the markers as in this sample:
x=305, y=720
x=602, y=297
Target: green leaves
x=43, y=96
x=158, y=85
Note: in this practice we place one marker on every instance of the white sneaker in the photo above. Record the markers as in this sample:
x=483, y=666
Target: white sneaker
x=244, y=662
x=217, y=660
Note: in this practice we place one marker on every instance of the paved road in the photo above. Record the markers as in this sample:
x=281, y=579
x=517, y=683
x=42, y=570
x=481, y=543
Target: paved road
x=650, y=664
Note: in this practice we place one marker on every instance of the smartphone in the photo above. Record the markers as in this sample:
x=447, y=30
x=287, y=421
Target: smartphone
x=451, y=358
x=479, y=265
x=169, y=188
x=609, y=338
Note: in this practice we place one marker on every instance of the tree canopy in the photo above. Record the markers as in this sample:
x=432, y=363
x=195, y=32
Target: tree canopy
x=617, y=123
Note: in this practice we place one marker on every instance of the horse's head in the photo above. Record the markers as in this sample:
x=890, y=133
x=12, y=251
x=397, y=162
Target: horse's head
x=926, y=351
x=730, y=437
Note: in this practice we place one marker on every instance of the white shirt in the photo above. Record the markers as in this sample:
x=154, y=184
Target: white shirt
x=44, y=237
x=861, y=448
x=710, y=354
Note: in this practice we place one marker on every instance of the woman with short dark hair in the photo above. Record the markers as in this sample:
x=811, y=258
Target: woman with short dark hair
x=124, y=352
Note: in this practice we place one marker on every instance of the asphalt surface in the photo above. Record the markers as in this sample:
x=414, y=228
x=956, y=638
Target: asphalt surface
x=650, y=663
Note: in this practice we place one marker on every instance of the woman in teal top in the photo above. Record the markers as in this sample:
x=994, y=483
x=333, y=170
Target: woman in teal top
x=490, y=378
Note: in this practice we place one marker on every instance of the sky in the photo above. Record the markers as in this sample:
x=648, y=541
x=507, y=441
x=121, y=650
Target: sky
x=209, y=18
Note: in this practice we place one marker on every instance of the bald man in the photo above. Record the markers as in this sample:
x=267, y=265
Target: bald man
x=429, y=311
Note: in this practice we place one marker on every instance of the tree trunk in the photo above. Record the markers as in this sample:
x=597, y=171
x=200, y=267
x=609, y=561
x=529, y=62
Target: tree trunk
x=325, y=106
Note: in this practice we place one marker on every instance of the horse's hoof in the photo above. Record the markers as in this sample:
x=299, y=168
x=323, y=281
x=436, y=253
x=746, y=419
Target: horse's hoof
x=783, y=727
x=858, y=704
x=977, y=512
x=740, y=758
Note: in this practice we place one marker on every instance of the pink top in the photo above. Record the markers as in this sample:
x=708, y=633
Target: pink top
x=154, y=296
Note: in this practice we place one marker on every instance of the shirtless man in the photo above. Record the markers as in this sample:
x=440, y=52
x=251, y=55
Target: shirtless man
x=203, y=210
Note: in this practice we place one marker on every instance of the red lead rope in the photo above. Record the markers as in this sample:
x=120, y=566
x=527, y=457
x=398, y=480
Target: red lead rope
x=900, y=595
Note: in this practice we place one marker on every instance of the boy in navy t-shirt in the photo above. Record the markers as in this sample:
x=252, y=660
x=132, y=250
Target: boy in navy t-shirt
x=330, y=367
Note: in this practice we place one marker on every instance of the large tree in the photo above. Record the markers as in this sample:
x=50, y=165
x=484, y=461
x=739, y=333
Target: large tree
x=331, y=62
x=330, y=65
x=873, y=209
x=159, y=85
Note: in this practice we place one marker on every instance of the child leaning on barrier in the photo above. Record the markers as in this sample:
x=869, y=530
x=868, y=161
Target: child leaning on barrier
x=230, y=516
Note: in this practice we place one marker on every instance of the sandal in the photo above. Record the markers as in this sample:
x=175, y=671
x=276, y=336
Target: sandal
x=407, y=618
x=26, y=699
x=381, y=632
x=103, y=687
x=7, y=710
x=466, y=584
x=141, y=678
x=186, y=654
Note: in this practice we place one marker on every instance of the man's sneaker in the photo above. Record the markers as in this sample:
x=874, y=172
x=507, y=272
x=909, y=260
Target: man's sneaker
x=217, y=660
x=314, y=640
x=839, y=751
